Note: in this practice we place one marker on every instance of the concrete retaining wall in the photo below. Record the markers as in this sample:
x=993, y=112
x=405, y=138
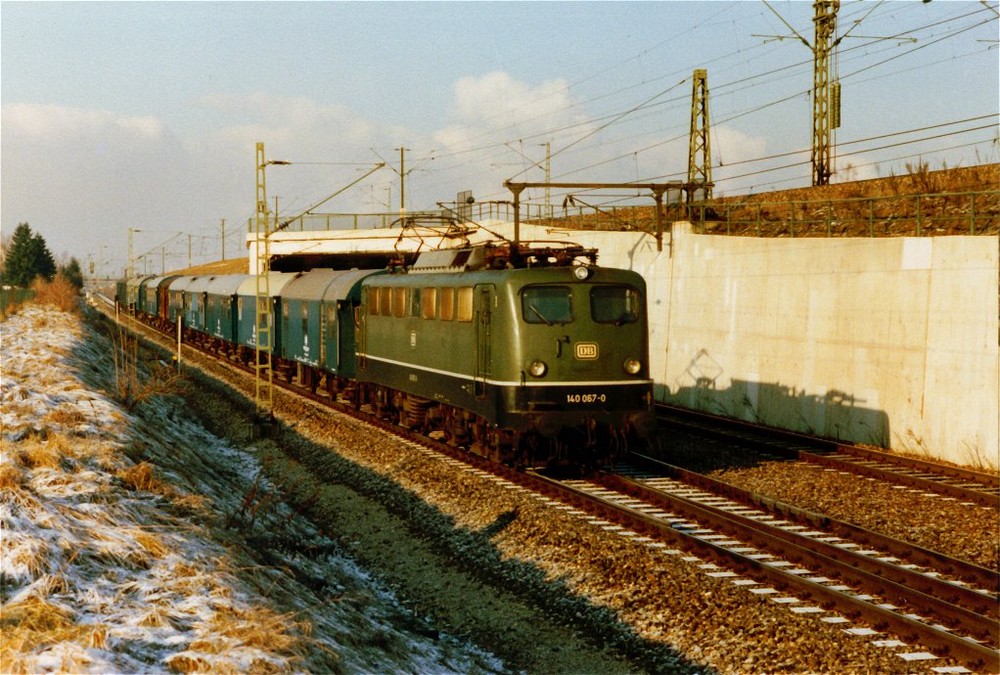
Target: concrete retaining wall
x=892, y=342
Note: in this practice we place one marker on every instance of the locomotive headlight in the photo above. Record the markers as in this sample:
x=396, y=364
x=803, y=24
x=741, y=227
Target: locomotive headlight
x=581, y=272
x=538, y=368
x=632, y=366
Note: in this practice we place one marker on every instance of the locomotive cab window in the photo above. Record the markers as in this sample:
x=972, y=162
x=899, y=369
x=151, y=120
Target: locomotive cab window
x=614, y=304
x=547, y=304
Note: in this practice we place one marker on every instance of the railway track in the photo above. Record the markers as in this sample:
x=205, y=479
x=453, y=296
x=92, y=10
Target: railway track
x=965, y=485
x=962, y=618
x=795, y=565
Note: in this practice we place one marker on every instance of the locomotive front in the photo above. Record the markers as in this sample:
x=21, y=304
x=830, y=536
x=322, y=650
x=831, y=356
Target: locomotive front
x=574, y=361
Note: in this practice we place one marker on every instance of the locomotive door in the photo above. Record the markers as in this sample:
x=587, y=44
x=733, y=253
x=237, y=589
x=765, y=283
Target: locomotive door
x=483, y=357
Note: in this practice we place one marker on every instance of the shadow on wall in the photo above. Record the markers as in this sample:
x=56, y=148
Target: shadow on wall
x=834, y=414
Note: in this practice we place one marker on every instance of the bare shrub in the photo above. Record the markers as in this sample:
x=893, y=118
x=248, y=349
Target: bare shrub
x=134, y=383
x=58, y=293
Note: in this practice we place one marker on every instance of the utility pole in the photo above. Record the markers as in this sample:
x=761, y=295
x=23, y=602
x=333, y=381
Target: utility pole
x=131, y=257
x=222, y=227
x=402, y=182
x=699, y=150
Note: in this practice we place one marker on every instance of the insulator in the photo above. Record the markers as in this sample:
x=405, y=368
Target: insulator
x=835, y=105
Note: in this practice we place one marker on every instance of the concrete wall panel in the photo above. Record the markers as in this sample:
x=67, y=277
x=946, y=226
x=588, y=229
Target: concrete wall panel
x=885, y=341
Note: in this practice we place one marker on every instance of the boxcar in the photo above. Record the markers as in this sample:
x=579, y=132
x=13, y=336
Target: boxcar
x=220, y=310
x=317, y=324
x=175, y=294
x=194, y=303
x=246, y=307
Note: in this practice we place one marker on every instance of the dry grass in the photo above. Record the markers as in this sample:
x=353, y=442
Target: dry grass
x=34, y=624
x=66, y=417
x=142, y=476
x=35, y=452
x=11, y=477
x=232, y=628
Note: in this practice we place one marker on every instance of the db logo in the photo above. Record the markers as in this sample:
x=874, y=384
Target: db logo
x=586, y=351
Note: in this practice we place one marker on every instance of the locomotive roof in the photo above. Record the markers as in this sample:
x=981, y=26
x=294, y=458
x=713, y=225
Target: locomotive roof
x=504, y=255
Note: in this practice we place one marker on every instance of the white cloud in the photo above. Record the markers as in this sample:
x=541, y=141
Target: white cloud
x=732, y=145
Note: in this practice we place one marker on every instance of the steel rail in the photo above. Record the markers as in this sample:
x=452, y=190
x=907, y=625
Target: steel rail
x=972, y=653
x=962, y=570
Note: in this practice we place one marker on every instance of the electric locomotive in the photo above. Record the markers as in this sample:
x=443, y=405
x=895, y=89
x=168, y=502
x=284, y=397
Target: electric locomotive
x=528, y=354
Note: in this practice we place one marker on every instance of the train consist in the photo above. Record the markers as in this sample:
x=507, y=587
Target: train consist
x=530, y=354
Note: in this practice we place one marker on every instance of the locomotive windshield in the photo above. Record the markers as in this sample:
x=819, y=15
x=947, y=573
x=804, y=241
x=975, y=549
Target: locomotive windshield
x=614, y=304
x=547, y=304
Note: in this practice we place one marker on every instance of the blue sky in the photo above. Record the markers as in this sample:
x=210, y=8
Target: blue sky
x=145, y=114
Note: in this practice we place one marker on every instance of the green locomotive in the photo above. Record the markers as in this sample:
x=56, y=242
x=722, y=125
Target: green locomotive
x=528, y=355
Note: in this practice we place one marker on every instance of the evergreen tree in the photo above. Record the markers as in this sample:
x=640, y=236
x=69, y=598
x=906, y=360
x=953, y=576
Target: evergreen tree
x=27, y=258
x=45, y=264
x=72, y=273
x=17, y=270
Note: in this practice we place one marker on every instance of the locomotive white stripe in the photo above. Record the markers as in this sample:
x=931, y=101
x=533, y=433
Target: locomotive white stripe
x=507, y=383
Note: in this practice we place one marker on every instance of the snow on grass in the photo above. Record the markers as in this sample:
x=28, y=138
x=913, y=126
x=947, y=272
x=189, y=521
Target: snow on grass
x=123, y=539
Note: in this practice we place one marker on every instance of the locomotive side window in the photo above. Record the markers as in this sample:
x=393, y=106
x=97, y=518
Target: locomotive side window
x=547, y=304
x=414, y=304
x=399, y=302
x=428, y=305
x=447, y=304
x=385, y=301
x=614, y=304
x=372, y=300
x=465, y=304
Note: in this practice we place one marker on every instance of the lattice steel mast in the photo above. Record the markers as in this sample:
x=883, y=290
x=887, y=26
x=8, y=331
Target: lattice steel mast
x=699, y=149
x=826, y=92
